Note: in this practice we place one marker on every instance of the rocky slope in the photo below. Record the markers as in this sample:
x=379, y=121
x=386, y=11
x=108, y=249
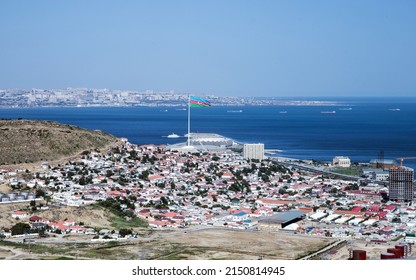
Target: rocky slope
x=27, y=141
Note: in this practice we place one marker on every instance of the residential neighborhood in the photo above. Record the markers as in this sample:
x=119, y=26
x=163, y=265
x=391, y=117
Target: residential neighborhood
x=168, y=190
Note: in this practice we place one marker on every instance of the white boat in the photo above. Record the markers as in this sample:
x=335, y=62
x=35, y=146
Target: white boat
x=394, y=109
x=234, y=111
x=282, y=112
x=173, y=135
x=345, y=109
x=328, y=112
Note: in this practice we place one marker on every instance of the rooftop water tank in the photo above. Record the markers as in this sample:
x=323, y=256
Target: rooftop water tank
x=359, y=255
x=402, y=250
x=406, y=248
x=394, y=251
x=385, y=256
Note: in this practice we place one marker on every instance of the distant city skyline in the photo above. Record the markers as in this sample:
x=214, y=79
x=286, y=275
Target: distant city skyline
x=226, y=48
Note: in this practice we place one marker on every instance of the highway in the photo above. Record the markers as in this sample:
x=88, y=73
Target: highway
x=318, y=170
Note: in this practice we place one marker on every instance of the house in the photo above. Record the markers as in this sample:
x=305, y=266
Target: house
x=20, y=215
x=69, y=223
x=35, y=219
x=158, y=224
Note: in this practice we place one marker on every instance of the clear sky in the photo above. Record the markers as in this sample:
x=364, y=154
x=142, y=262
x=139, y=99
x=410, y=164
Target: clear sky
x=222, y=47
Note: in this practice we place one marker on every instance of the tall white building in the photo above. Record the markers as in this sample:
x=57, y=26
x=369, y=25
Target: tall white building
x=254, y=151
x=341, y=161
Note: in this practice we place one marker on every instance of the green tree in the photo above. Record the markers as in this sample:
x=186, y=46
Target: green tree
x=20, y=228
x=123, y=232
x=40, y=193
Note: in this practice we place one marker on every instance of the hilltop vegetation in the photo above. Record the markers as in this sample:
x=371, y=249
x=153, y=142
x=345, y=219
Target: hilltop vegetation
x=28, y=141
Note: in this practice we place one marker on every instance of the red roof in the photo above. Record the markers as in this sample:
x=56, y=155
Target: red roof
x=357, y=209
x=170, y=214
x=345, y=212
x=382, y=214
x=19, y=213
x=374, y=208
x=35, y=218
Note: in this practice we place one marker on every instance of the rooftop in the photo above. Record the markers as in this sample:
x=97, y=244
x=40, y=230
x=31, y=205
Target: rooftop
x=282, y=217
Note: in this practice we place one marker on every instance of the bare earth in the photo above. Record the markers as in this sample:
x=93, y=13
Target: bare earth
x=206, y=244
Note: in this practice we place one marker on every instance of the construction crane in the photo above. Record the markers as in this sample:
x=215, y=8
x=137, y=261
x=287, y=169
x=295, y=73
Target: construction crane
x=403, y=158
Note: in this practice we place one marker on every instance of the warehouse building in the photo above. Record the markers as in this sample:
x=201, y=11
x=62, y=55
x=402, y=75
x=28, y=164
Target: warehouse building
x=280, y=220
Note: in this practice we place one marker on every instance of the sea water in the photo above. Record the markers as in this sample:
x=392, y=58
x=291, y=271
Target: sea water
x=359, y=129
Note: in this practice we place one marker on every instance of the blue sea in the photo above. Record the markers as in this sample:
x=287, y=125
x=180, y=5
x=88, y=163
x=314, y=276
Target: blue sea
x=359, y=129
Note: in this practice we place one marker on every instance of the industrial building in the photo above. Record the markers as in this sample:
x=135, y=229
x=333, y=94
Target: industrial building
x=253, y=151
x=383, y=163
x=280, y=220
x=401, y=184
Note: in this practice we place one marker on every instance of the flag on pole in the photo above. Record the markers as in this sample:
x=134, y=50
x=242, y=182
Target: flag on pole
x=198, y=102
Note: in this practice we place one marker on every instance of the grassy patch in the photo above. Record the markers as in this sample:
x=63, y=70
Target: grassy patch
x=119, y=222
x=121, y=219
x=352, y=171
x=36, y=248
x=64, y=258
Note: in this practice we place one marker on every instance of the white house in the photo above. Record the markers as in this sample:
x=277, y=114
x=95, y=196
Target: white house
x=19, y=215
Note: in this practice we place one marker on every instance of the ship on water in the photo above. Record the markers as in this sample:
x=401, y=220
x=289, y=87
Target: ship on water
x=328, y=112
x=173, y=135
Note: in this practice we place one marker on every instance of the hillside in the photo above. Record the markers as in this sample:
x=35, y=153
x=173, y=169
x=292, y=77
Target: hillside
x=27, y=141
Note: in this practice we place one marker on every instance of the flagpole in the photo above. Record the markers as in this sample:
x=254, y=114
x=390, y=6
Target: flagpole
x=189, y=120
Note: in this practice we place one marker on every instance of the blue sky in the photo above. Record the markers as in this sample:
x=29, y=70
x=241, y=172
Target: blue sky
x=233, y=47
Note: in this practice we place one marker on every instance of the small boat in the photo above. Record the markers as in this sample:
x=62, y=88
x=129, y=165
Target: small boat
x=328, y=112
x=394, y=109
x=234, y=111
x=181, y=109
x=345, y=109
x=173, y=135
x=283, y=112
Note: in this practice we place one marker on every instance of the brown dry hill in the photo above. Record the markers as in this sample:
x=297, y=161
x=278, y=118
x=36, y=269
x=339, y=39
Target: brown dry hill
x=27, y=141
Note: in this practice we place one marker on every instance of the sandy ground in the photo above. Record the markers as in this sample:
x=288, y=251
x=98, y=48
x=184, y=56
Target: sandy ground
x=93, y=217
x=5, y=188
x=205, y=244
x=230, y=244
x=36, y=166
x=373, y=250
x=192, y=244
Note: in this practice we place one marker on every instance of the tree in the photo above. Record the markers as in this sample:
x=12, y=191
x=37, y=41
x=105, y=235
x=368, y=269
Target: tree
x=20, y=228
x=40, y=193
x=215, y=158
x=396, y=220
x=123, y=232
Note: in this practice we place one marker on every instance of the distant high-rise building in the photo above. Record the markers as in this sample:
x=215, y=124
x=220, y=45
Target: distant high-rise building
x=401, y=184
x=254, y=151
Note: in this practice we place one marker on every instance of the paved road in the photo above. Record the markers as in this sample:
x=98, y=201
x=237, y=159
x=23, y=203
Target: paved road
x=320, y=170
